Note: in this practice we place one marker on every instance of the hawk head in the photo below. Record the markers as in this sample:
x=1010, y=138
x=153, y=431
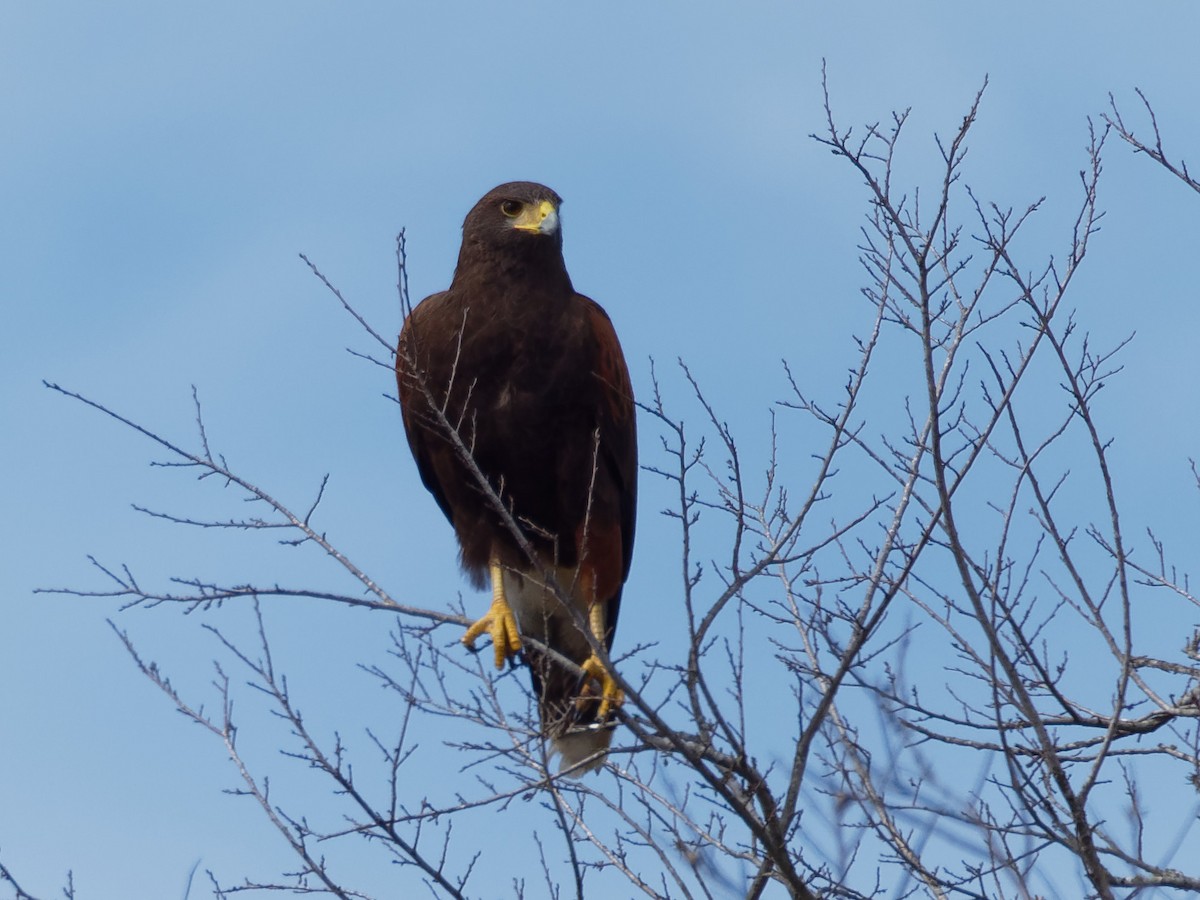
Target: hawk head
x=520, y=214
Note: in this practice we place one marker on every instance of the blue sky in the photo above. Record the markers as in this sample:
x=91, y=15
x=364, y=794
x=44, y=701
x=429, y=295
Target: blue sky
x=165, y=164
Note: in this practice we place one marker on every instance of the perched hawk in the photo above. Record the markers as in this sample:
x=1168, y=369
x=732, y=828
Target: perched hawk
x=513, y=368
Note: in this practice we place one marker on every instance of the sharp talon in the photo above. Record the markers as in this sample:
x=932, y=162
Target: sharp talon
x=501, y=626
x=611, y=696
x=610, y=702
x=499, y=622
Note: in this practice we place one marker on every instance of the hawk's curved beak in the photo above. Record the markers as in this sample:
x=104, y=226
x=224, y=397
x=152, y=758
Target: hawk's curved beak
x=540, y=219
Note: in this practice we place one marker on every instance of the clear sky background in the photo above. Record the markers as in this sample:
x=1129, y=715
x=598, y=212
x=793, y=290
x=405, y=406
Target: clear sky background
x=162, y=166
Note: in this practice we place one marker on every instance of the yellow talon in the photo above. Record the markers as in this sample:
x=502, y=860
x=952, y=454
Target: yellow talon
x=499, y=621
x=611, y=696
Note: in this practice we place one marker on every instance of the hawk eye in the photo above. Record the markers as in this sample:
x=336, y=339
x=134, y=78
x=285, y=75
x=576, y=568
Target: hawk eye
x=510, y=208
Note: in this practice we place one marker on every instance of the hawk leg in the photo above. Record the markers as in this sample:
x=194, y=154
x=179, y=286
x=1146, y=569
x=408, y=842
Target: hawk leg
x=594, y=669
x=499, y=621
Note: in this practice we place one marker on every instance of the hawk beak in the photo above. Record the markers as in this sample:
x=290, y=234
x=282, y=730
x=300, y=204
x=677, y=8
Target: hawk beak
x=540, y=219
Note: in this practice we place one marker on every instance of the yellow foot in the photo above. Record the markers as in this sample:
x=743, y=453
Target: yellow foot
x=499, y=621
x=611, y=696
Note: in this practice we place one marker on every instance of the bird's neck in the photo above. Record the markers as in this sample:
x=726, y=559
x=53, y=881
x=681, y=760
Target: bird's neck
x=538, y=268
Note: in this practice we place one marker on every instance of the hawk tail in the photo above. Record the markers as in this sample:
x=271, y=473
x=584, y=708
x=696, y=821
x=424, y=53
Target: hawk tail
x=568, y=708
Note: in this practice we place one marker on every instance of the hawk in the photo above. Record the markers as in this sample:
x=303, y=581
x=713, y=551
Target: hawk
x=519, y=412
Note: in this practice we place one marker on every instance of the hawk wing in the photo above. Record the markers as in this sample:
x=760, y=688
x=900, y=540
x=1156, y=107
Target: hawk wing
x=616, y=424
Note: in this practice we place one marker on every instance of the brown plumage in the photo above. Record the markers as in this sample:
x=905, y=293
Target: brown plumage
x=513, y=366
